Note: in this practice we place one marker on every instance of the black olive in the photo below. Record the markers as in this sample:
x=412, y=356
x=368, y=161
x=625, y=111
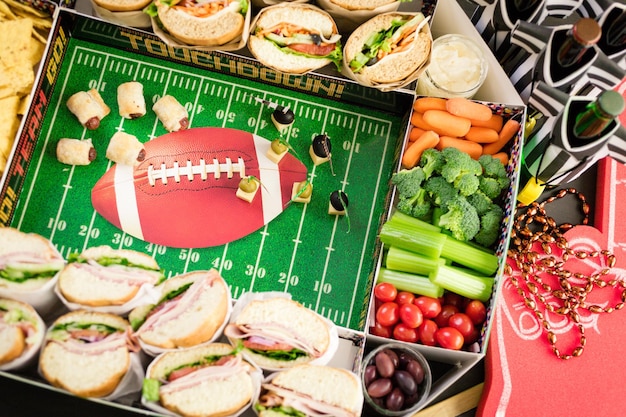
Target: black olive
x=317, y=39
x=372, y=61
x=339, y=200
x=321, y=146
x=284, y=117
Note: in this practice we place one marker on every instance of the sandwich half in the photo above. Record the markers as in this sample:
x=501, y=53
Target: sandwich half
x=21, y=333
x=279, y=333
x=295, y=38
x=122, y=5
x=192, y=309
x=311, y=390
x=103, y=276
x=209, y=380
x=86, y=353
x=389, y=48
x=28, y=261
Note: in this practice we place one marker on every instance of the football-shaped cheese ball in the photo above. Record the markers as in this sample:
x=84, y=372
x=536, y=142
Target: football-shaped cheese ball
x=183, y=194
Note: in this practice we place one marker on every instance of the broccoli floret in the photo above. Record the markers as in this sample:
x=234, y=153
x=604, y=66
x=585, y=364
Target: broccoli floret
x=480, y=201
x=431, y=161
x=490, y=186
x=490, y=223
x=441, y=191
x=467, y=184
x=408, y=181
x=460, y=219
x=417, y=206
x=458, y=163
x=494, y=169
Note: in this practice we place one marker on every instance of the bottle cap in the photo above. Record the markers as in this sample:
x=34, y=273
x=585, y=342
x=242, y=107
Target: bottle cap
x=611, y=102
x=531, y=191
x=587, y=31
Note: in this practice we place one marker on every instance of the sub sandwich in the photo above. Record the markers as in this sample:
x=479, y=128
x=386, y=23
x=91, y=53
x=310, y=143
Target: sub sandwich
x=193, y=308
x=103, y=276
x=295, y=38
x=208, y=380
x=311, y=390
x=28, y=261
x=389, y=48
x=201, y=22
x=279, y=333
x=21, y=333
x=87, y=353
x=122, y=5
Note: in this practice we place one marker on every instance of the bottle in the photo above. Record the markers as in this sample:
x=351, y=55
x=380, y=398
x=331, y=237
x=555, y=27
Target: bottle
x=583, y=34
x=598, y=115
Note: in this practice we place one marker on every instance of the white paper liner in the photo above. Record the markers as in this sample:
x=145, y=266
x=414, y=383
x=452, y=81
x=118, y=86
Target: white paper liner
x=348, y=20
x=257, y=378
x=266, y=3
x=346, y=71
x=238, y=43
x=271, y=376
x=43, y=299
x=147, y=294
x=137, y=19
x=246, y=298
x=156, y=350
x=31, y=351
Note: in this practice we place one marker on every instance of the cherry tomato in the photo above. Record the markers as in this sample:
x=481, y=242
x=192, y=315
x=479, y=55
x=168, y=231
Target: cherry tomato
x=472, y=337
x=431, y=307
x=476, y=311
x=462, y=323
x=446, y=311
x=454, y=299
x=385, y=292
x=405, y=333
x=381, y=331
x=426, y=332
x=411, y=315
x=388, y=314
x=449, y=338
x=404, y=297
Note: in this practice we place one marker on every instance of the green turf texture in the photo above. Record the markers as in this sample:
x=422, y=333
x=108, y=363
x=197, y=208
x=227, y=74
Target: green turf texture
x=324, y=261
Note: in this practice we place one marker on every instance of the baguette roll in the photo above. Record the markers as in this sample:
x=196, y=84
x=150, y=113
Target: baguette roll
x=75, y=151
x=21, y=334
x=102, y=277
x=193, y=309
x=388, y=51
x=86, y=353
x=122, y=5
x=295, y=38
x=311, y=390
x=278, y=333
x=201, y=23
x=88, y=107
x=130, y=100
x=208, y=380
x=349, y=14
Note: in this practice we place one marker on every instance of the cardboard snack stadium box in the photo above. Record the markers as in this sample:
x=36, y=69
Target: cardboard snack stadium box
x=325, y=85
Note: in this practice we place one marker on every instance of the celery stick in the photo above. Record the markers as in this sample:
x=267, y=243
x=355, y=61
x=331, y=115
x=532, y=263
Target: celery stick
x=416, y=284
x=424, y=242
x=470, y=256
x=461, y=281
x=404, y=220
x=406, y=261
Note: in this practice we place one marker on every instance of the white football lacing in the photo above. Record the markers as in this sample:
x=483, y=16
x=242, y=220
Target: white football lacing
x=189, y=170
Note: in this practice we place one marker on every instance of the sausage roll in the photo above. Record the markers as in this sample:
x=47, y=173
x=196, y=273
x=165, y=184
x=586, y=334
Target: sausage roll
x=75, y=151
x=125, y=149
x=88, y=107
x=171, y=113
x=130, y=100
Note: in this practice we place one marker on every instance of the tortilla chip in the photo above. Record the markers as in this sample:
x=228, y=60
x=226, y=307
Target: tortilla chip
x=16, y=70
x=9, y=123
x=36, y=50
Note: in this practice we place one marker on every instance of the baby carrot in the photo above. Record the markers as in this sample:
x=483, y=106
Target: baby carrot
x=473, y=149
x=415, y=133
x=464, y=107
x=429, y=103
x=495, y=122
x=502, y=156
x=417, y=119
x=509, y=130
x=447, y=124
x=413, y=153
x=481, y=134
